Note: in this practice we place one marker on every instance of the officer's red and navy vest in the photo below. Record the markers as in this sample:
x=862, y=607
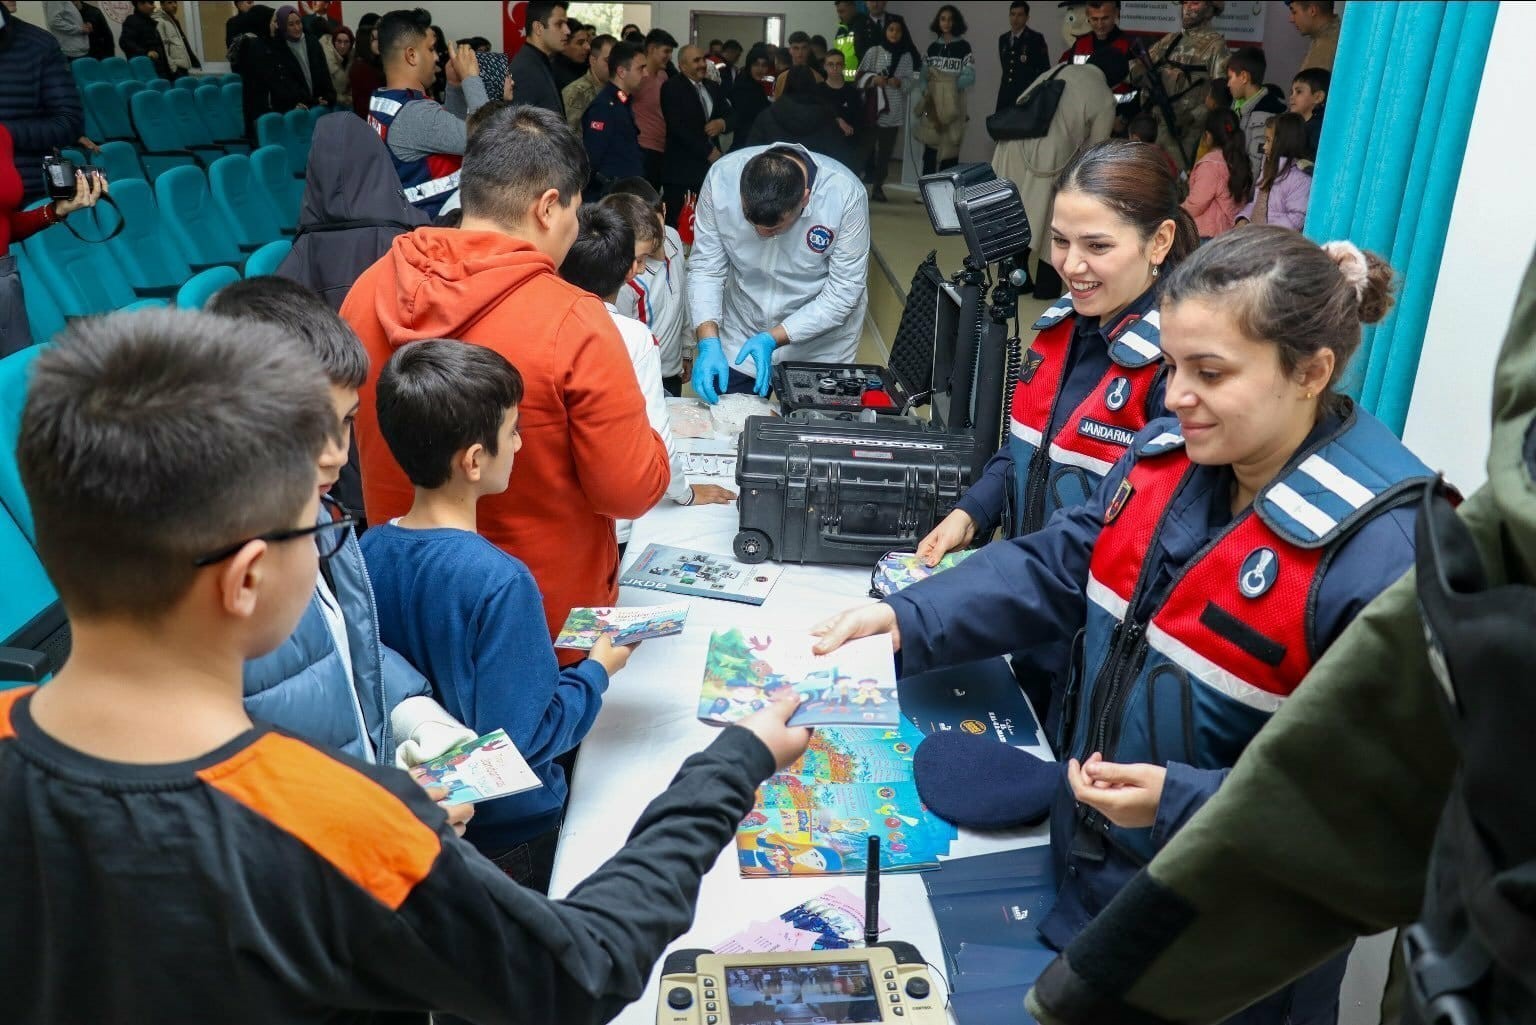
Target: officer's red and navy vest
x=1235, y=635
x=1096, y=434
x=429, y=180
x=1084, y=46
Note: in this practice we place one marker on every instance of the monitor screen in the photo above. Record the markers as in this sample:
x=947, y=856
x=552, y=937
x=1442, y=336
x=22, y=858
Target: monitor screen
x=802, y=994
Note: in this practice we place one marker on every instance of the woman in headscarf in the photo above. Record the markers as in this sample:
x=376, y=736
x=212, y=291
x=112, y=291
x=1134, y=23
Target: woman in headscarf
x=886, y=74
x=250, y=54
x=340, y=52
x=297, y=76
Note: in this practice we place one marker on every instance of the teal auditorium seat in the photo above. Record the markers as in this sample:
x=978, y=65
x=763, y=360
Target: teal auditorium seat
x=159, y=85
x=187, y=82
x=243, y=202
x=149, y=257
x=127, y=90
x=43, y=313
x=143, y=69
x=232, y=100
x=270, y=165
x=210, y=107
x=108, y=111
x=120, y=161
x=115, y=69
x=163, y=148
x=86, y=70
x=268, y=258
x=190, y=126
x=194, y=295
x=84, y=278
x=34, y=635
x=191, y=217
x=301, y=131
x=74, y=156
x=271, y=130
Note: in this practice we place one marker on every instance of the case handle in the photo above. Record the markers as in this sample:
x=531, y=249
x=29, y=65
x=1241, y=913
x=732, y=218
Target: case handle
x=884, y=541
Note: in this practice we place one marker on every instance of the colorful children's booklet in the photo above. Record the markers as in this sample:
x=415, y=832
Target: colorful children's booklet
x=479, y=770
x=796, y=828
x=622, y=626
x=700, y=574
x=896, y=571
x=853, y=686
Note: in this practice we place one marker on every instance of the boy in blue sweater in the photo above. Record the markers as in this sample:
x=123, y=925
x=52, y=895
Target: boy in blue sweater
x=465, y=613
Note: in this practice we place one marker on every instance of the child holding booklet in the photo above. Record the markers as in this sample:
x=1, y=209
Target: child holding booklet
x=465, y=613
x=169, y=460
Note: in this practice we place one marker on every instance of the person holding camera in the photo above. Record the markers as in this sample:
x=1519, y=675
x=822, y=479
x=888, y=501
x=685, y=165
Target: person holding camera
x=17, y=224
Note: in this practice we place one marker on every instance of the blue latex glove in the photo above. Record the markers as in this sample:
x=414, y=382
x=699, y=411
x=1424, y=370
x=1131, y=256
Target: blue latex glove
x=710, y=374
x=760, y=348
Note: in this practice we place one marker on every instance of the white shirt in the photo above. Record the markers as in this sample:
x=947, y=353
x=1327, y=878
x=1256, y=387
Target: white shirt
x=646, y=357
x=658, y=299
x=812, y=278
x=330, y=608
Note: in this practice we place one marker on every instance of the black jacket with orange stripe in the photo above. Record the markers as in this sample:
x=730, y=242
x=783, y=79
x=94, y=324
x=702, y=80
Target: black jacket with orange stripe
x=271, y=882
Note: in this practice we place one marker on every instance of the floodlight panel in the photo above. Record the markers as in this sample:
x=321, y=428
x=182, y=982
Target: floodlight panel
x=993, y=220
x=939, y=198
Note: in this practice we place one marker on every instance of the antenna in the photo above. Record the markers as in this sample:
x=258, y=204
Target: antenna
x=872, y=893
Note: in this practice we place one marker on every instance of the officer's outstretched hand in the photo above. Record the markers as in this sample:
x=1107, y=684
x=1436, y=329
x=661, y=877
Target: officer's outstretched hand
x=710, y=374
x=760, y=347
x=954, y=531
x=864, y=621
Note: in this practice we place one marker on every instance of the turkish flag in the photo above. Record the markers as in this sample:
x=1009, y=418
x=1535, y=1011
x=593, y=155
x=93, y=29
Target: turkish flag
x=514, y=16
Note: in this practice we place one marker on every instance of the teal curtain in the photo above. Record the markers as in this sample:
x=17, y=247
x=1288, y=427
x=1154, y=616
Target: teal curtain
x=1405, y=83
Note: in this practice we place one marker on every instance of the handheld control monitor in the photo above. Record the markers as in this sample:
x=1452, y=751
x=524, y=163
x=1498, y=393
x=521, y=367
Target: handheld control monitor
x=884, y=983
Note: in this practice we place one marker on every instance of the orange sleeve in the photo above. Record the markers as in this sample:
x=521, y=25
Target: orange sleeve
x=367, y=833
x=621, y=462
x=8, y=699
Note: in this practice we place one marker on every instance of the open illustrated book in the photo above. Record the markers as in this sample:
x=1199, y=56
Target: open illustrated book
x=853, y=686
x=479, y=770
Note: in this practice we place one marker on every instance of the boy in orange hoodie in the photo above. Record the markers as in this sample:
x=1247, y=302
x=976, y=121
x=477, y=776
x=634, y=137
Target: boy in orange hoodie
x=591, y=455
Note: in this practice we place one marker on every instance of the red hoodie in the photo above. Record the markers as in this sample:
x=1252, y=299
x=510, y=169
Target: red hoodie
x=589, y=454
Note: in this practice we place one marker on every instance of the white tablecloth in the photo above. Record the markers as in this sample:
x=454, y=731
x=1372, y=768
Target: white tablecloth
x=648, y=726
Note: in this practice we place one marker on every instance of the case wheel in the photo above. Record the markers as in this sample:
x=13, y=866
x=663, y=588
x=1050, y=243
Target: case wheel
x=752, y=546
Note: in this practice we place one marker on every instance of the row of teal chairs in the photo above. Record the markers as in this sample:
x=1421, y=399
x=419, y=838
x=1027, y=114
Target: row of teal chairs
x=34, y=634
x=172, y=127
x=180, y=239
x=141, y=69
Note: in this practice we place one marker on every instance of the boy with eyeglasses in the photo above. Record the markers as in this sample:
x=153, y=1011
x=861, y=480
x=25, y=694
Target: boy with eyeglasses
x=333, y=681
x=169, y=861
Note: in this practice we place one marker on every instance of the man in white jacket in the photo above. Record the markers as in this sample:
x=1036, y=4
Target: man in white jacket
x=778, y=268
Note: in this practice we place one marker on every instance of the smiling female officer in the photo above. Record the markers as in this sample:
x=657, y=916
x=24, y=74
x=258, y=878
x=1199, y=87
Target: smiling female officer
x=778, y=268
x=1222, y=556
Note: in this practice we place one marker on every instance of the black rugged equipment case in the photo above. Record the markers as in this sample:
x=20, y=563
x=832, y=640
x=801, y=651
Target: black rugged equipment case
x=820, y=491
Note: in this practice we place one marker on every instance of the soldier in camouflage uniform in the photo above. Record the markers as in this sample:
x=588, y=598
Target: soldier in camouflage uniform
x=1187, y=61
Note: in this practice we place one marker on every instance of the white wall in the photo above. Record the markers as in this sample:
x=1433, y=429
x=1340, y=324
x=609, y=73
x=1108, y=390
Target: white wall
x=1487, y=248
x=988, y=19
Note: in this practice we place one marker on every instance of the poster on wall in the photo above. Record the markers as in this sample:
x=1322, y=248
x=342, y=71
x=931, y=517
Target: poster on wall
x=514, y=15
x=1242, y=22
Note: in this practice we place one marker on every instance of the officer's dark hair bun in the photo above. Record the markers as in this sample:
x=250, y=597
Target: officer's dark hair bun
x=1283, y=288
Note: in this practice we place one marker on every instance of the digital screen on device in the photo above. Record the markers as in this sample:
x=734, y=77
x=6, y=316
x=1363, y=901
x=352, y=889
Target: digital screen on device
x=842, y=991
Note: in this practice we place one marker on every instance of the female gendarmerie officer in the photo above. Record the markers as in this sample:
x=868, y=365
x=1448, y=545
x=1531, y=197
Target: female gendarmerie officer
x=1093, y=376
x=1222, y=556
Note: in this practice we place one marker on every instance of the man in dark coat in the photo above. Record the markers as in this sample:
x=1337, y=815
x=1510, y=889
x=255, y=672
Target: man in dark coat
x=141, y=38
x=1022, y=55
x=696, y=113
x=39, y=105
x=533, y=76
x=102, y=44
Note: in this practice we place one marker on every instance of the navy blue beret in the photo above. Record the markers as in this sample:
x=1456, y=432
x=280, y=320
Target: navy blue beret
x=979, y=783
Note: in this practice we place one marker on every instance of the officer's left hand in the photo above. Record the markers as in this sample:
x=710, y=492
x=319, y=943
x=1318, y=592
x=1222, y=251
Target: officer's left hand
x=760, y=348
x=1127, y=795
